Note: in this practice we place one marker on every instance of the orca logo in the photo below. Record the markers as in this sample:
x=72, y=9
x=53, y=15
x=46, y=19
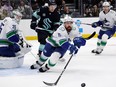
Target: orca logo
x=47, y=23
x=106, y=22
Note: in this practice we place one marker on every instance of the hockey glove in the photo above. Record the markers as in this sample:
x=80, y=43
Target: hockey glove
x=94, y=25
x=99, y=23
x=73, y=49
x=79, y=41
x=33, y=25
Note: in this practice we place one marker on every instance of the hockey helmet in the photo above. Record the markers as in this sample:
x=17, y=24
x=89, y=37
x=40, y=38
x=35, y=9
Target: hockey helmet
x=106, y=4
x=68, y=18
x=52, y=2
x=17, y=15
x=52, y=6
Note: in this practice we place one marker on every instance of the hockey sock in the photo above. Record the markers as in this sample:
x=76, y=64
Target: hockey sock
x=53, y=59
x=98, y=43
x=42, y=59
x=41, y=47
x=103, y=44
x=104, y=41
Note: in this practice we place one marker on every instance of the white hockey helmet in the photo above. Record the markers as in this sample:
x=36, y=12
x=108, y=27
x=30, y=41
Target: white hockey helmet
x=68, y=18
x=106, y=4
x=17, y=16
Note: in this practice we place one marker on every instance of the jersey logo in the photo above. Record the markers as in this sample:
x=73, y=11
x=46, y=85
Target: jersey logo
x=106, y=22
x=59, y=35
x=47, y=22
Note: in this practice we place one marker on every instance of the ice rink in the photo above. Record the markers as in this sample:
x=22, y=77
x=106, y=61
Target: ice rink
x=85, y=67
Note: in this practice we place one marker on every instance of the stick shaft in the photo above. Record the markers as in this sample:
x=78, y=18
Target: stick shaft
x=86, y=24
x=63, y=69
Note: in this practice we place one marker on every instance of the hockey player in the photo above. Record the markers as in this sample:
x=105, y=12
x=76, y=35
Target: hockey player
x=107, y=20
x=58, y=44
x=45, y=21
x=9, y=35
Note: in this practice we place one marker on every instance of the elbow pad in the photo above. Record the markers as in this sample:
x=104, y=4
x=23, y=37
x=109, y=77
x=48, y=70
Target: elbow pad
x=33, y=25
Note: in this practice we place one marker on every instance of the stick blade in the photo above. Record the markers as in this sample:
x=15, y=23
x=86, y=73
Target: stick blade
x=91, y=36
x=49, y=84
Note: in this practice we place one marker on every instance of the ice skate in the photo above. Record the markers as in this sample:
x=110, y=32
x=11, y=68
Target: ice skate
x=99, y=51
x=44, y=68
x=94, y=50
x=36, y=66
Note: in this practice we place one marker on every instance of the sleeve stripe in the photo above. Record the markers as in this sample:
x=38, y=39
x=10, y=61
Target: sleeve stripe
x=36, y=16
x=11, y=33
x=5, y=42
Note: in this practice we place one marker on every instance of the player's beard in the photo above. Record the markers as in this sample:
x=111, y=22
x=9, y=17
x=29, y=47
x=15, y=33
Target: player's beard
x=69, y=28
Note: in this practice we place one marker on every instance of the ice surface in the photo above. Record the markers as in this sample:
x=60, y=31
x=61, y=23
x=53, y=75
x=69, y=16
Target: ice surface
x=85, y=67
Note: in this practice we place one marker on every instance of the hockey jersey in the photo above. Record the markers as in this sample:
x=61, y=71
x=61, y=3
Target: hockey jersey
x=45, y=19
x=60, y=36
x=8, y=29
x=109, y=19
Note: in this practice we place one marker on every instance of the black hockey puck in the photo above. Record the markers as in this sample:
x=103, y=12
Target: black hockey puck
x=83, y=85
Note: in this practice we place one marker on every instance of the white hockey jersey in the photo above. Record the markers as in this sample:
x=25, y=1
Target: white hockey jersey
x=60, y=36
x=8, y=27
x=109, y=19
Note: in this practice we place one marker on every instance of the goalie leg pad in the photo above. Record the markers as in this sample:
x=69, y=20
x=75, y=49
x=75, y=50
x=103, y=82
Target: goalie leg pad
x=11, y=62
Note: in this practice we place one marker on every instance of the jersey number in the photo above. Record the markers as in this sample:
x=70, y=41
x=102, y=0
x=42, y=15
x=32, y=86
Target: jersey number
x=1, y=26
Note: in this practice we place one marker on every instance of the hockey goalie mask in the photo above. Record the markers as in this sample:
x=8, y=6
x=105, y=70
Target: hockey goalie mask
x=17, y=16
x=68, y=21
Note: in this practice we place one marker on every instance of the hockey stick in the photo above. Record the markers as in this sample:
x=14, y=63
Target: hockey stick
x=86, y=24
x=55, y=83
x=97, y=26
x=91, y=36
x=78, y=23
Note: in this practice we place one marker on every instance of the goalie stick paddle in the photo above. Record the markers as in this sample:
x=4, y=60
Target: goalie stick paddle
x=55, y=83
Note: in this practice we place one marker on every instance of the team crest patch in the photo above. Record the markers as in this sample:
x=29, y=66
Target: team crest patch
x=43, y=14
x=59, y=35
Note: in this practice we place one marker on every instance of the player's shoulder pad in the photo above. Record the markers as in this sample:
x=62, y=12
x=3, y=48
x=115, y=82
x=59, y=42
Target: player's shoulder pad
x=7, y=19
x=101, y=13
x=44, y=8
x=62, y=28
x=112, y=11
